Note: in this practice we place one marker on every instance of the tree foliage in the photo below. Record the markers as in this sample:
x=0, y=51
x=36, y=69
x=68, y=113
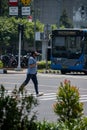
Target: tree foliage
x=16, y=110
x=9, y=32
x=68, y=107
x=4, y=7
x=65, y=21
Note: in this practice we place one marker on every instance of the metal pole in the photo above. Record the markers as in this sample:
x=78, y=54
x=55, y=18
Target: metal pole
x=19, y=54
x=20, y=29
x=46, y=55
x=34, y=35
x=34, y=25
x=47, y=39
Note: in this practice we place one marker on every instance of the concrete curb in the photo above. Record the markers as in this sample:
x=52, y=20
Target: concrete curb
x=51, y=71
x=24, y=71
x=16, y=71
x=3, y=71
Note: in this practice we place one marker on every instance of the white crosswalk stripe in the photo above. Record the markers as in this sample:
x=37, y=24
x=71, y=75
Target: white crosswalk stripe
x=48, y=96
x=52, y=96
x=83, y=98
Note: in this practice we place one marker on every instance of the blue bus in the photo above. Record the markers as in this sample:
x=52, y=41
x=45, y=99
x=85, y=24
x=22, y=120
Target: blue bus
x=69, y=50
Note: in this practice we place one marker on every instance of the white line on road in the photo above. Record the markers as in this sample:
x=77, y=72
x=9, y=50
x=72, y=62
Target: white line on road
x=52, y=96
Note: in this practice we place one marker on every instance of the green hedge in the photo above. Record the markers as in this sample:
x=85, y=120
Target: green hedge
x=42, y=64
x=1, y=64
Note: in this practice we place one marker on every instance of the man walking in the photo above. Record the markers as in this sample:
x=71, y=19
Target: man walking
x=32, y=73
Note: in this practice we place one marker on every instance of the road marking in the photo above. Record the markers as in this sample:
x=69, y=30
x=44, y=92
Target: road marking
x=64, y=76
x=83, y=98
x=50, y=96
x=49, y=75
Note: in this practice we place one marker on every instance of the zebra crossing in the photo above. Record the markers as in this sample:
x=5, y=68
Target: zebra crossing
x=48, y=96
x=52, y=96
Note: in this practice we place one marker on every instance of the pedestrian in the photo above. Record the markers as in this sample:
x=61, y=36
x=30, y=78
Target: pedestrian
x=32, y=73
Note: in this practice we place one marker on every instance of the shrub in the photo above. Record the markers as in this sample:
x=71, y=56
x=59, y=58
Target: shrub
x=47, y=126
x=68, y=107
x=42, y=64
x=1, y=64
x=15, y=110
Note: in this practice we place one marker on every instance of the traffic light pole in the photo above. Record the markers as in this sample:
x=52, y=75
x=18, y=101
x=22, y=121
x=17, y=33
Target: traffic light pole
x=19, y=49
x=47, y=29
x=19, y=54
x=34, y=25
x=20, y=29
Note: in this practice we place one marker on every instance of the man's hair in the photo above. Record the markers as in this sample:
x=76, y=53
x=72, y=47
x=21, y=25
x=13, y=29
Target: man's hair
x=34, y=52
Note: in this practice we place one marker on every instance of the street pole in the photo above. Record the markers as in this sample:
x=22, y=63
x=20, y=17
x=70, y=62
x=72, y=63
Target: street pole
x=47, y=30
x=19, y=54
x=34, y=25
x=20, y=31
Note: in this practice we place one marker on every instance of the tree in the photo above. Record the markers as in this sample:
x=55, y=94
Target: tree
x=3, y=7
x=68, y=107
x=9, y=32
x=65, y=21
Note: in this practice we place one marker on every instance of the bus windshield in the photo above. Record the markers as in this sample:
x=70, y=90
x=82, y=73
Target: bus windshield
x=67, y=46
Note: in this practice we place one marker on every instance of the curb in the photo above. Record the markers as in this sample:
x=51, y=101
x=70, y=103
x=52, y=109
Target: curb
x=51, y=71
x=23, y=71
x=3, y=71
x=17, y=71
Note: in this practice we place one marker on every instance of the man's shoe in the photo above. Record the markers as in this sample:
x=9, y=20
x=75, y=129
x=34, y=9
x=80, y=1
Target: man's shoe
x=21, y=88
x=39, y=94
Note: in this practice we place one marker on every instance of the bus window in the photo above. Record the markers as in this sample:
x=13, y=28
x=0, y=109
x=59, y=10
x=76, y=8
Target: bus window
x=59, y=41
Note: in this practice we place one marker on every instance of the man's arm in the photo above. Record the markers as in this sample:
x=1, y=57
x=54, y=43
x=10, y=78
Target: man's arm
x=32, y=65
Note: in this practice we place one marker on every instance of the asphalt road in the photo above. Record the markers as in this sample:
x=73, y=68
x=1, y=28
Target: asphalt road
x=48, y=84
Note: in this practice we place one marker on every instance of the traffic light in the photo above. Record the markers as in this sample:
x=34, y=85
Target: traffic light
x=21, y=28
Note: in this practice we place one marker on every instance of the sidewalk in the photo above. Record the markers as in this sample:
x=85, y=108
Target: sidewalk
x=22, y=71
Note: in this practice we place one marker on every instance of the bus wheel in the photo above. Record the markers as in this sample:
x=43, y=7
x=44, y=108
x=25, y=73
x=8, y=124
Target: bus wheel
x=85, y=72
x=63, y=72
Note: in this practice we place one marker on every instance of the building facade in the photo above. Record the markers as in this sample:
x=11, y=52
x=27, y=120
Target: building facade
x=49, y=11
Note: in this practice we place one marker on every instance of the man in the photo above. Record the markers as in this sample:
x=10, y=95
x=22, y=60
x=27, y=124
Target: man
x=32, y=73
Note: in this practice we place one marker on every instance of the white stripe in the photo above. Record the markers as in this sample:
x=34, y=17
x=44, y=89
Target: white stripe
x=51, y=96
x=46, y=99
x=83, y=95
x=85, y=100
x=59, y=76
